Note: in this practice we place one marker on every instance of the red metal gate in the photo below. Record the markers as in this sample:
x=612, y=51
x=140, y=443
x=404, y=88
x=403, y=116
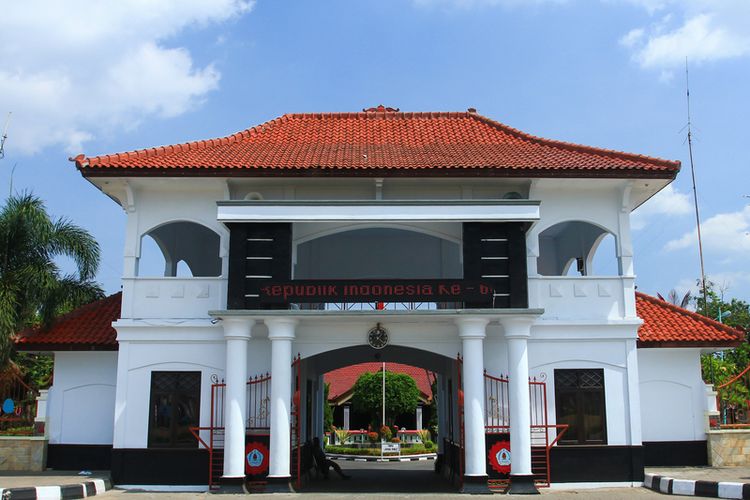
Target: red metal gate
x=258, y=413
x=296, y=451
x=214, y=433
x=497, y=421
x=461, y=433
x=18, y=409
x=733, y=401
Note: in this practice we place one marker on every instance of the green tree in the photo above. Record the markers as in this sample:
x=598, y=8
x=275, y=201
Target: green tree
x=720, y=367
x=33, y=289
x=327, y=410
x=401, y=395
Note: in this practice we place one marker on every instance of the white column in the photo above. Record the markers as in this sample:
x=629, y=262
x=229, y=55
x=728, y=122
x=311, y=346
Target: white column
x=471, y=330
x=40, y=420
x=442, y=409
x=120, y=438
x=634, y=393
x=281, y=335
x=419, y=418
x=237, y=335
x=517, y=332
x=346, y=417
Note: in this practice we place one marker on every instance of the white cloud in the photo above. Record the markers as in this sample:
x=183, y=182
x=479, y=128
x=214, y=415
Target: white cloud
x=699, y=30
x=72, y=68
x=729, y=281
x=632, y=37
x=667, y=202
x=725, y=234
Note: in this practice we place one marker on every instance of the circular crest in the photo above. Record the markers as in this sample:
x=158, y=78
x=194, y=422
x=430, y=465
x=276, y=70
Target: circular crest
x=256, y=458
x=499, y=457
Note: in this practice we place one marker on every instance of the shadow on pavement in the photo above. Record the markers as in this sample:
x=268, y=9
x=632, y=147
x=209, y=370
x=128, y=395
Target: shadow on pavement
x=383, y=477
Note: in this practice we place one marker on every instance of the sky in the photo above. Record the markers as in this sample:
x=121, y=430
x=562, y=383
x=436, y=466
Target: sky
x=95, y=77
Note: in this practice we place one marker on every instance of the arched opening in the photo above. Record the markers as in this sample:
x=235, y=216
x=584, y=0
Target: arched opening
x=576, y=248
x=180, y=249
x=436, y=377
x=378, y=253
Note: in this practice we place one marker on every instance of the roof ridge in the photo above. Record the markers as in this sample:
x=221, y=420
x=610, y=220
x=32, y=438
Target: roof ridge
x=681, y=310
x=572, y=145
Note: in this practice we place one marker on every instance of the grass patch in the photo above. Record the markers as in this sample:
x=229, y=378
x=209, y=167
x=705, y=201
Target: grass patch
x=375, y=452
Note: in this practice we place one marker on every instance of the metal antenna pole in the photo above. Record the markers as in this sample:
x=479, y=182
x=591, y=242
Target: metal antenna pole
x=12, y=171
x=4, y=136
x=695, y=191
x=697, y=214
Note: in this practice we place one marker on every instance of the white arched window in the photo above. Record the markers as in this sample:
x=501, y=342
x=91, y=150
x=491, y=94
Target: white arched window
x=181, y=249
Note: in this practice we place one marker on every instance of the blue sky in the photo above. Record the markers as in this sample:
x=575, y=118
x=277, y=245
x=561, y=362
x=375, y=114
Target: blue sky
x=100, y=77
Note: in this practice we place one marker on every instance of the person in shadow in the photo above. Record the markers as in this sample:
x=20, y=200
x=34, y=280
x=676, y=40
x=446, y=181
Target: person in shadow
x=323, y=464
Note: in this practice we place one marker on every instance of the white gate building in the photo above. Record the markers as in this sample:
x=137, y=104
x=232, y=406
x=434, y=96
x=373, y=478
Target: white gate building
x=381, y=236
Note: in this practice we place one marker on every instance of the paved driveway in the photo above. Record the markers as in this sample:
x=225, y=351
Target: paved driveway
x=390, y=480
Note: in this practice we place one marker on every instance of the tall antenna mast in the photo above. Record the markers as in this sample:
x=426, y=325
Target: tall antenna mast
x=695, y=191
x=4, y=136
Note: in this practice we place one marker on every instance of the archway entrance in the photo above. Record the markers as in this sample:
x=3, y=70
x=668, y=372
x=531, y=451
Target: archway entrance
x=363, y=457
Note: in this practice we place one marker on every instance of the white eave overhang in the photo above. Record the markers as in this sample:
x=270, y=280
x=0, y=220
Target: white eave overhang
x=374, y=211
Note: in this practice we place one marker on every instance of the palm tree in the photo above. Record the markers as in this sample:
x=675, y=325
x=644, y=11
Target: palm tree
x=33, y=289
x=674, y=298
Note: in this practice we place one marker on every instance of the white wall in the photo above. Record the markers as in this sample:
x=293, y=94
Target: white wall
x=609, y=355
x=672, y=394
x=147, y=349
x=82, y=399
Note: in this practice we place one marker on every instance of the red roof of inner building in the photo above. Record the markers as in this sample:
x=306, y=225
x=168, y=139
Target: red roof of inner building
x=667, y=325
x=380, y=141
x=343, y=379
x=87, y=328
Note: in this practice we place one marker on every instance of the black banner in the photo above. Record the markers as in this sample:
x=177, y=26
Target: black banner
x=350, y=291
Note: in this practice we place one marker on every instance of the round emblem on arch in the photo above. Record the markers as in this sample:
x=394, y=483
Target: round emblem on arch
x=377, y=337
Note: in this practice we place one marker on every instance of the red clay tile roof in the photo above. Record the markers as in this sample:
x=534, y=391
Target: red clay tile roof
x=666, y=325
x=87, y=328
x=343, y=379
x=380, y=141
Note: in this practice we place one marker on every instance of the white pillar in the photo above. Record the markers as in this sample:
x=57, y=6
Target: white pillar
x=40, y=420
x=634, y=393
x=517, y=332
x=281, y=335
x=442, y=409
x=471, y=330
x=419, y=417
x=346, y=417
x=237, y=334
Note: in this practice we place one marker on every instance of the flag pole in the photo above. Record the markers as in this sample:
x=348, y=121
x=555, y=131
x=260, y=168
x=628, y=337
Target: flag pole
x=383, y=394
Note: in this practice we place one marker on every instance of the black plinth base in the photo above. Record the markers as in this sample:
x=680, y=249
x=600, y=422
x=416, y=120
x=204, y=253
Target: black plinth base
x=475, y=485
x=231, y=486
x=279, y=485
x=522, y=485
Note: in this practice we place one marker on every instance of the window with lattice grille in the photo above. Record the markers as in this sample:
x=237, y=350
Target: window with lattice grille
x=579, y=403
x=174, y=408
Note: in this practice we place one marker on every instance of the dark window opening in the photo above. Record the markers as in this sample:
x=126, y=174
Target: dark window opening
x=579, y=403
x=174, y=408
